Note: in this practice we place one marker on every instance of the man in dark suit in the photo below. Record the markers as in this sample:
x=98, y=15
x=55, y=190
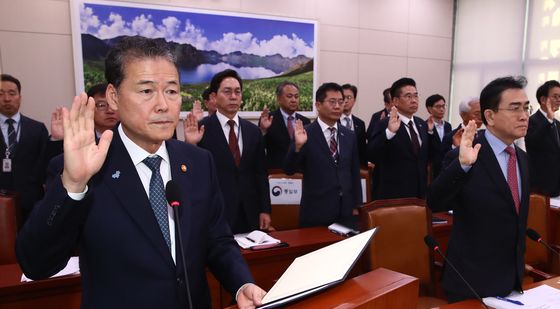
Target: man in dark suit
x=354, y=123
x=400, y=146
x=543, y=142
x=238, y=150
x=23, y=147
x=327, y=155
x=435, y=104
x=488, y=186
x=109, y=199
x=380, y=115
x=278, y=127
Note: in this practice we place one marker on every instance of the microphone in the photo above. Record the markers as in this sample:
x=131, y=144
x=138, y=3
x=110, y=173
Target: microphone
x=173, y=196
x=433, y=245
x=535, y=236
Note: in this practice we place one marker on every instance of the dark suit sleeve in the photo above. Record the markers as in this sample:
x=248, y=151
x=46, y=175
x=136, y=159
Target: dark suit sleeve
x=378, y=142
x=293, y=160
x=538, y=131
x=448, y=184
x=262, y=176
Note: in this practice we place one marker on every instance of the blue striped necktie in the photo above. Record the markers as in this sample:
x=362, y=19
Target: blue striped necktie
x=157, y=197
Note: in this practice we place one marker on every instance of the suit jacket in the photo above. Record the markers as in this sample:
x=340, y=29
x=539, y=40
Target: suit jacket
x=245, y=188
x=398, y=172
x=331, y=190
x=277, y=140
x=124, y=260
x=487, y=241
x=439, y=149
x=543, y=150
x=373, y=122
x=361, y=138
x=29, y=163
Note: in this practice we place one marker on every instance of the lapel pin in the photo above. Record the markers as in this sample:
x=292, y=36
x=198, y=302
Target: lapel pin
x=116, y=175
x=183, y=168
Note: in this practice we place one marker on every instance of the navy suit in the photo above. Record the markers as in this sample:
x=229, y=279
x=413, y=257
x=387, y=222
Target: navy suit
x=331, y=190
x=543, y=149
x=124, y=260
x=399, y=172
x=361, y=138
x=487, y=241
x=245, y=188
x=374, y=120
x=277, y=140
x=439, y=149
x=29, y=163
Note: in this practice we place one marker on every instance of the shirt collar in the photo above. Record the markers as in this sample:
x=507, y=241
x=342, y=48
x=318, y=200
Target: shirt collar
x=286, y=115
x=16, y=118
x=223, y=119
x=324, y=126
x=137, y=153
x=405, y=119
x=495, y=143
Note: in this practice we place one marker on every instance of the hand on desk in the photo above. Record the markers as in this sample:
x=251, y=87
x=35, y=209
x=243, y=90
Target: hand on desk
x=250, y=296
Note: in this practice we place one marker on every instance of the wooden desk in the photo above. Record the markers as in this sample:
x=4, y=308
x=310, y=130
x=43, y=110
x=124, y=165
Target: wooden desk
x=64, y=292
x=380, y=288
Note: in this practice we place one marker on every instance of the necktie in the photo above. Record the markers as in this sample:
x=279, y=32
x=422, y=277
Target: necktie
x=512, y=176
x=333, y=145
x=12, y=136
x=348, y=123
x=233, y=144
x=291, y=126
x=157, y=197
x=413, y=138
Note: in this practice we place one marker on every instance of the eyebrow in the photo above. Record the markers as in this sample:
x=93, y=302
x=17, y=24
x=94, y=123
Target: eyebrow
x=146, y=82
x=519, y=103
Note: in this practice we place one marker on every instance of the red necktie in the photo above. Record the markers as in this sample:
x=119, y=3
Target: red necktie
x=291, y=127
x=414, y=138
x=233, y=144
x=333, y=145
x=512, y=176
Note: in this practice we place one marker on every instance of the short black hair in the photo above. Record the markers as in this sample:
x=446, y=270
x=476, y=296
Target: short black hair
x=206, y=94
x=387, y=96
x=321, y=93
x=220, y=76
x=431, y=100
x=492, y=94
x=400, y=83
x=353, y=88
x=130, y=48
x=545, y=88
x=97, y=89
x=282, y=85
x=10, y=78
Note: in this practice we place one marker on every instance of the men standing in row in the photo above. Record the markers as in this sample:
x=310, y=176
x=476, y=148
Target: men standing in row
x=238, y=150
x=435, y=104
x=486, y=181
x=380, y=114
x=399, y=147
x=278, y=127
x=543, y=142
x=23, y=148
x=327, y=155
x=354, y=123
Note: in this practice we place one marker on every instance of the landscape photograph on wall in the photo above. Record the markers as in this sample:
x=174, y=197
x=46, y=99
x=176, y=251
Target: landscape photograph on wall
x=264, y=50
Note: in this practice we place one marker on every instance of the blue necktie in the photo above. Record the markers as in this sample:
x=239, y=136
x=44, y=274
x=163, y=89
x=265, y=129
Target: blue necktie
x=12, y=136
x=157, y=197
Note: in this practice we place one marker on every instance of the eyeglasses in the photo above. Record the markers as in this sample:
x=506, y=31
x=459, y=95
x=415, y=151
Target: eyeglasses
x=229, y=92
x=517, y=109
x=555, y=97
x=409, y=96
x=101, y=106
x=9, y=94
x=334, y=102
x=348, y=97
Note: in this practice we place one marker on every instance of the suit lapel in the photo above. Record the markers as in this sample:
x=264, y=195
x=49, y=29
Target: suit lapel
x=317, y=134
x=215, y=128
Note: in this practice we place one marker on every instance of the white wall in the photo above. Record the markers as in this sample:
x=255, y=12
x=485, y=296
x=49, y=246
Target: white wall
x=369, y=43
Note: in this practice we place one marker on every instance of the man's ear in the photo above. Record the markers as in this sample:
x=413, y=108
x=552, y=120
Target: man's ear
x=489, y=115
x=112, y=97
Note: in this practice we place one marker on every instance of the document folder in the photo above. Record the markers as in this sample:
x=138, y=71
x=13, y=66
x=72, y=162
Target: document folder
x=317, y=270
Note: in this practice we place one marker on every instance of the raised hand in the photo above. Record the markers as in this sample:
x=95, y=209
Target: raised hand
x=193, y=134
x=82, y=156
x=430, y=122
x=548, y=109
x=457, y=137
x=265, y=121
x=467, y=153
x=197, y=110
x=300, y=135
x=57, y=128
x=394, y=121
x=383, y=115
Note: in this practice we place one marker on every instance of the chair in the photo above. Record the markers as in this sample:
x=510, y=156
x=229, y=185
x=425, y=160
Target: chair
x=538, y=259
x=365, y=177
x=8, y=229
x=284, y=216
x=399, y=244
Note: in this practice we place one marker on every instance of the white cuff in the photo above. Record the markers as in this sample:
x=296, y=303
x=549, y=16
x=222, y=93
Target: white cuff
x=239, y=290
x=389, y=134
x=78, y=196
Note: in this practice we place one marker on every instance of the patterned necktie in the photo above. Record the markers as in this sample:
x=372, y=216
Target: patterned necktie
x=512, y=176
x=333, y=145
x=291, y=126
x=157, y=197
x=413, y=138
x=233, y=144
x=349, y=123
x=12, y=136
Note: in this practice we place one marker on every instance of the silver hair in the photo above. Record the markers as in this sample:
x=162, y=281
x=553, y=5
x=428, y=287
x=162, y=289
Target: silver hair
x=465, y=105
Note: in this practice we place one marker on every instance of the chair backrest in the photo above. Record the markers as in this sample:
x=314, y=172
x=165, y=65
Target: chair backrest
x=399, y=244
x=365, y=176
x=8, y=229
x=536, y=254
x=284, y=216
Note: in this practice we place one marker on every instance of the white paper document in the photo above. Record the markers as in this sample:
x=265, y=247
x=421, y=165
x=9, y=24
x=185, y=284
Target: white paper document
x=255, y=238
x=73, y=267
x=317, y=270
x=541, y=297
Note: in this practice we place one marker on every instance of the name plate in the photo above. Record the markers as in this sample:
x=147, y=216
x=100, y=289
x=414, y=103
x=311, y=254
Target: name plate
x=285, y=191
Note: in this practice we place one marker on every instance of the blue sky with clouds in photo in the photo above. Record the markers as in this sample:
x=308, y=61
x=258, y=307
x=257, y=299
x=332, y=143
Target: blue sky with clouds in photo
x=221, y=33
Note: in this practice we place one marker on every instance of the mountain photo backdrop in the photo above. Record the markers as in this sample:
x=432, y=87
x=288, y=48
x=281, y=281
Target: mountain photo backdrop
x=262, y=50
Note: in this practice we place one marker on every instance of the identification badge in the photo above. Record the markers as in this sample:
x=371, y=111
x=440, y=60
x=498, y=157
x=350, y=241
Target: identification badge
x=6, y=165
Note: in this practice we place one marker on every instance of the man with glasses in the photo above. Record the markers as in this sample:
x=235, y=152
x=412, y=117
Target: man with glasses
x=400, y=146
x=543, y=143
x=238, y=150
x=327, y=155
x=354, y=123
x=105, y=118
x=435, y=104
x=485, y=181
